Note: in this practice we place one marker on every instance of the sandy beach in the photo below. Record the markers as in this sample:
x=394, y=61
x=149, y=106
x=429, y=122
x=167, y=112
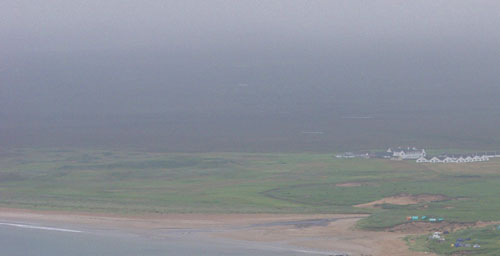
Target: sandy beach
x=317, y=233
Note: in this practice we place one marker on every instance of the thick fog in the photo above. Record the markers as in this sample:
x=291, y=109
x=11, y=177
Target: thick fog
x=250, y=75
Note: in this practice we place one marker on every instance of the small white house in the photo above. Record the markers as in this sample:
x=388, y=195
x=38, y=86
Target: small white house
x=449, y=159
x=422, y=160
x=435, y=159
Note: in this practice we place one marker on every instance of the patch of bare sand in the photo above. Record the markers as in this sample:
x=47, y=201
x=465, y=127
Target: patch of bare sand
x=338, y=235
x=405, y=199
x=153, y=221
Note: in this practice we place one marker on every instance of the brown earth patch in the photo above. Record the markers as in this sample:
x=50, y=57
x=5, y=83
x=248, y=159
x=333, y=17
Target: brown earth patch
x=349, y=184
x=405, y=199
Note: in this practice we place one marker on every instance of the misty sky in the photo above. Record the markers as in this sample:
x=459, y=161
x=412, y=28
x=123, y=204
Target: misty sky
x=262, y=71
x=160, y=56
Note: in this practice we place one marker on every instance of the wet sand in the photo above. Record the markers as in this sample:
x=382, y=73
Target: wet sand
x=310, y=234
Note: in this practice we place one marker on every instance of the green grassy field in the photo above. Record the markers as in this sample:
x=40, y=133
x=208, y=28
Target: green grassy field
x=239, y=182
x=139, y=182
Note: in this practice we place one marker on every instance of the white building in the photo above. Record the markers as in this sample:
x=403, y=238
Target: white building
x=422, y=160
x=407, y=153
x=449, y=159
x=435, y=159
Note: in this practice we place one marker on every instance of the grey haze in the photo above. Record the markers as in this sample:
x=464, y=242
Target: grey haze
x=250, y=75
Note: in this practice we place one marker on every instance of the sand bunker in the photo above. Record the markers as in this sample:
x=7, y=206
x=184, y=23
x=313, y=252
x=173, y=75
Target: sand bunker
x=405, y=199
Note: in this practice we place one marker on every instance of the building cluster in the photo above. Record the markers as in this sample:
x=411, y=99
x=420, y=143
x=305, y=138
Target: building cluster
x=462, y=158
x=400, y=153
x=420, y=156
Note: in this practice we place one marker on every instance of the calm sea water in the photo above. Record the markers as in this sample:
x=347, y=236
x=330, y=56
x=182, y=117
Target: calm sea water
x=26, y=241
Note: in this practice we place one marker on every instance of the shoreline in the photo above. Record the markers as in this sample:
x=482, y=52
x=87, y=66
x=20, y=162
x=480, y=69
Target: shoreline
x=309, y=232
x=170, y=220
